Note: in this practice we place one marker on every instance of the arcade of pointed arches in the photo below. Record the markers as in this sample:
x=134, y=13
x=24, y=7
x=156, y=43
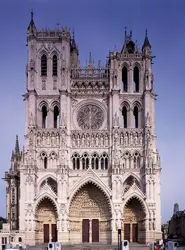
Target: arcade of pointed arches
x=44, y=113
x=90, y=203
x=95, y=161
x=131, y=117
x=135, y=77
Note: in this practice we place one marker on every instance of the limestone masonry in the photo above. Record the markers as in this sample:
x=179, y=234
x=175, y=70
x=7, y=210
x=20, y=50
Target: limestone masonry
x=89, y=165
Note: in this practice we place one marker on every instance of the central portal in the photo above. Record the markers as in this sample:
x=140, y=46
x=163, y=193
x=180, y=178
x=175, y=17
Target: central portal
x=94, y=232
x=90, y=216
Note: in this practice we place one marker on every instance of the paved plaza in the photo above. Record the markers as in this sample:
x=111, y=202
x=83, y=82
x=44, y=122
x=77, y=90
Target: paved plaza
x=92, y=246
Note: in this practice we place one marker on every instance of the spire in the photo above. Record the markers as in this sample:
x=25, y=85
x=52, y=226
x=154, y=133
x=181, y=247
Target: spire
x=90, y=58
x=125, y=32
x=146, y=41
x=17, y=145
x=32, y=28
x=32, y=22
x=12, y=155
x=73, y=43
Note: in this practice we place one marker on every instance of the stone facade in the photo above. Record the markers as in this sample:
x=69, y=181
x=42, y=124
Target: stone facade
x=90, y=145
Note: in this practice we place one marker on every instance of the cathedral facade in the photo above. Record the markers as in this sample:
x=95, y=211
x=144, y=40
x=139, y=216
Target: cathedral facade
x=89, y=165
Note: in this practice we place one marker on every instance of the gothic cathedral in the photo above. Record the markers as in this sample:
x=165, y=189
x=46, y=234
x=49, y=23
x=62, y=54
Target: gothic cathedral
x=89, y=165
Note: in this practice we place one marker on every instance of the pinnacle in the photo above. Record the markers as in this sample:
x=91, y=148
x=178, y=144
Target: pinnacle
x=17, y=151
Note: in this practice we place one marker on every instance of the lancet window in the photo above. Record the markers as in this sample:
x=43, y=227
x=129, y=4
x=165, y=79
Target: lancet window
x=136, y=160
x=124, y=79
x=85, y=161
x=95, y=161
x=56, y=117
x=104, y=161
x=136, y=117
x=76, y=161
x=44, y=117
x=136, y=79
x=43, y=65
x=124, y=117
x=45, y=162
x=55, y=65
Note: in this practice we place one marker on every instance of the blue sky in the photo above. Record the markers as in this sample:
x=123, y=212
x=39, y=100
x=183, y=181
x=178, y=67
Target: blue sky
x=99, y=26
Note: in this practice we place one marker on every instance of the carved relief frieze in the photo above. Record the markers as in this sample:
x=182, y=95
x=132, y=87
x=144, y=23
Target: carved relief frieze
x=47, y=138
x=90, y=87
x=93, y=139
x=131, y=137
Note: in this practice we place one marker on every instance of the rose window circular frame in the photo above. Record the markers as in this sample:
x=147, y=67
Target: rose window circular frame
x=90, y=117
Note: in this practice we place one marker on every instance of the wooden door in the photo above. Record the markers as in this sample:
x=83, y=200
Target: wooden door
x=127, y=232
x=85, y=230
x=46, y=233
x=95, y=230
x=135, y=232
x=54, y=233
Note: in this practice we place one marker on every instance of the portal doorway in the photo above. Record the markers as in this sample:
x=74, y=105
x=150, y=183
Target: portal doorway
x=90, y=216
x=95, y=230
x=127, y=231
x=46, y=222
x=134, y=221
x=85, y=230
x=90, y=230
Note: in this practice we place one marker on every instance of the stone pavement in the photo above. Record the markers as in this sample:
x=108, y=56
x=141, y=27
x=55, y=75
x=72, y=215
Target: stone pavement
x=92, y=246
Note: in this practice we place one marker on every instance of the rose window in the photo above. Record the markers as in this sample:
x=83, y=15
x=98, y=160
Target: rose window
x=90, y=117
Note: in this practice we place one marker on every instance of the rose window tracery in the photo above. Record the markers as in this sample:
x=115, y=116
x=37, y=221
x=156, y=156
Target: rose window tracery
x=90, y=117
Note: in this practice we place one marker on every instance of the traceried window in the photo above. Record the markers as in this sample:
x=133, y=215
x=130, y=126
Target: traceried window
x=85, y=161
x=124, y=117
x=95, y=161
x=55, y=65
x=56, y=117
x=90, y=117
x=44, y=117
x=76, y=161
x=124, y=79
x=44, y=65
x=104, y=161
x=136, y=79
x=136, y=160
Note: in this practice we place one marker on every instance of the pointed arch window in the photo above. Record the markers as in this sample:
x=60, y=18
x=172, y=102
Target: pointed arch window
x=137, y=160
x=55, y=65
x=44, y=65
x=76, y=161
x=136, y=117
x=104, y=161
x=45, y=162
x=124, y=117
x=95, y=161
x=136, y=79
x=124, y=79
x=85, y=161
x=56, y=117
x=44, y=117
